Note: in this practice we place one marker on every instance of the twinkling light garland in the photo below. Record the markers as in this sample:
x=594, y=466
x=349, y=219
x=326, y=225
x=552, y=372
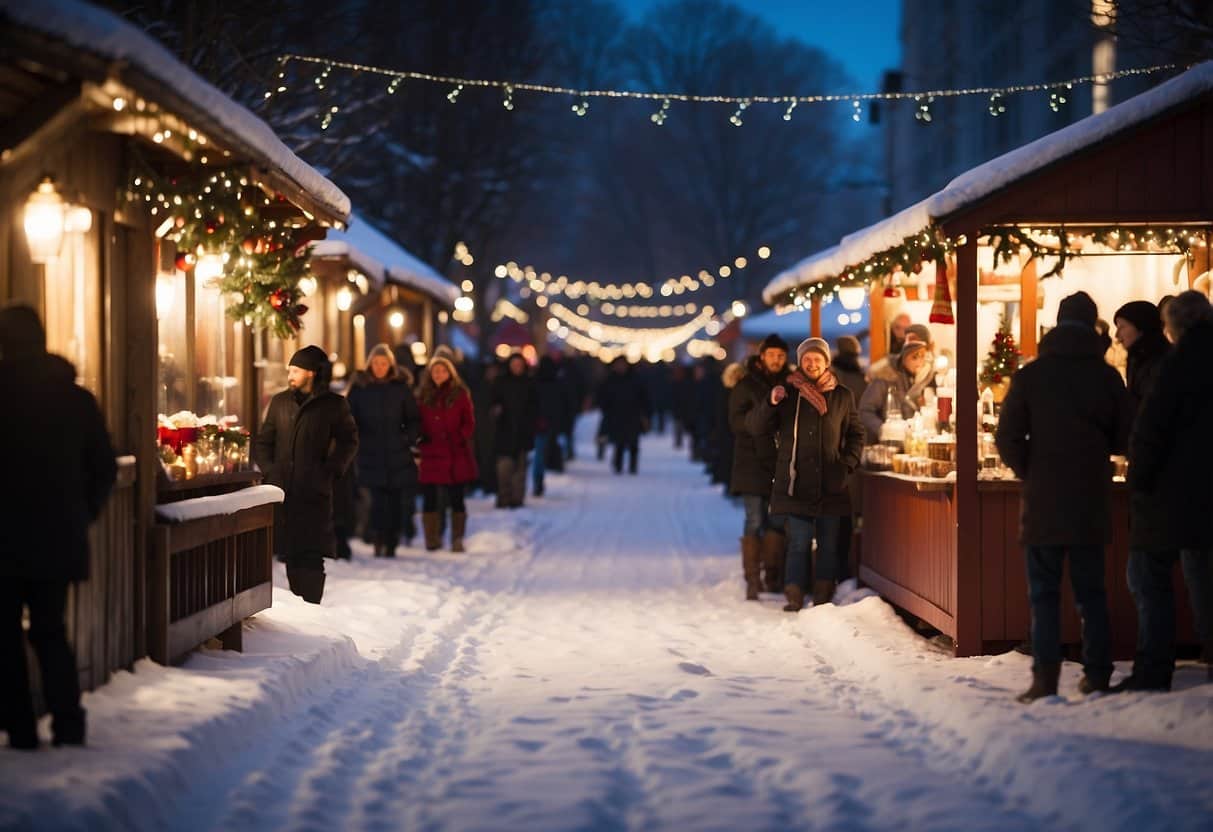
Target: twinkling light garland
x=581, y=97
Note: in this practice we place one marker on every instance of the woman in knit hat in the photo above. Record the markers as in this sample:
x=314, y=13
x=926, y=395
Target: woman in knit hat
x=820, y=439
x=902, y=377
x=1139, y=331
x=389, y=424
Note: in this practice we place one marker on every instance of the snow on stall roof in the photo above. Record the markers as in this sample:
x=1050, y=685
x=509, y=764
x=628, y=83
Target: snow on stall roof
x=381, y=257
x=101, y=33
x=989, y=177
x=199, y=507
x=997, y=173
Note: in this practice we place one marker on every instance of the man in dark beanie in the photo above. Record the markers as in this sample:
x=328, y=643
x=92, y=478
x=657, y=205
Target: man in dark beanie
x=307, y=440
x=762, y=547
x=1139, y=331
x=52, y=432
x=1066, y=413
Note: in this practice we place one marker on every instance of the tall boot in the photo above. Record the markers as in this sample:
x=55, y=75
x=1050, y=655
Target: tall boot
x=795, y=596
x=294, y=580
x=429, y=525
x=459, y=524
x=307, y=582
x=1044, y=683
x=750, y=565
x=823, y=591
x=773, y=554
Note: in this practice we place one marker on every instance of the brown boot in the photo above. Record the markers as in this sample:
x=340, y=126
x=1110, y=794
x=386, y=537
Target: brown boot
x=795, y=596
x=429, y=524
x=773, y=554
x=750, y=565
x=823, y=591
x=1044, y=683
x=459, y=524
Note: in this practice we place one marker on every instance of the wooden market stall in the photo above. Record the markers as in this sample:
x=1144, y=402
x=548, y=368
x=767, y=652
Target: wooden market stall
x=144, y=178
x=378, y=293
x=1120, y=205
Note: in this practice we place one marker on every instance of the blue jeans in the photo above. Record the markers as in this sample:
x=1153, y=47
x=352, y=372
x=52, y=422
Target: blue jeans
x=800, y=531
x=539, y=463
x=1044, y=590
x=1150, y=581
x=757, y=517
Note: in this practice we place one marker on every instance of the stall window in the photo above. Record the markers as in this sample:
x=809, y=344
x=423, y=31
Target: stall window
x=73, y=307
x=218, y=346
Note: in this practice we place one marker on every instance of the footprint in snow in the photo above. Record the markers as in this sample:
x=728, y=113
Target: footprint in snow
x=694, y=669
x=533, y=720
x=529, y=745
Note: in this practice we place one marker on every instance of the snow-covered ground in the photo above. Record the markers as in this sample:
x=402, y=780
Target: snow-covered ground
x=589, y=664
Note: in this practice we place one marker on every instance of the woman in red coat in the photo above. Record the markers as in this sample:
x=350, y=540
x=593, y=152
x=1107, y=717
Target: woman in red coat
x=447, y=458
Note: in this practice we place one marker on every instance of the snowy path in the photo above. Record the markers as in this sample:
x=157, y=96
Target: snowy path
x=589, y=664
x=603, y=675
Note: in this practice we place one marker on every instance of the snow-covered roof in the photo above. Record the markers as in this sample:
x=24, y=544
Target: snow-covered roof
x=140, y=62
x=980, y=182
x=382, y=258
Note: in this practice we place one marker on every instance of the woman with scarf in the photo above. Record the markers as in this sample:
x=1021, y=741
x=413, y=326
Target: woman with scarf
x=904, y=376
x=820, y=439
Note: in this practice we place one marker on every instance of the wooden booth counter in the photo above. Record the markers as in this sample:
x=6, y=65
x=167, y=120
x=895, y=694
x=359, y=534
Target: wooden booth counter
x=909, y=554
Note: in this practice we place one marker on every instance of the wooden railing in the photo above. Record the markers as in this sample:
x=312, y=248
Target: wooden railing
x=205, y=576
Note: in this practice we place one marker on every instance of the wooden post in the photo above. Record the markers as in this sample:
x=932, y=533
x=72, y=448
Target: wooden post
x=878, y=336
x=967, y=574
x=1028, y=288
x=427, y=325
x=815, y=316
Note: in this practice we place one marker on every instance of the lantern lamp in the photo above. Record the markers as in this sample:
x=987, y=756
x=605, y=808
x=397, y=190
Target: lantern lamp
x=852, y=297
x=44, y=221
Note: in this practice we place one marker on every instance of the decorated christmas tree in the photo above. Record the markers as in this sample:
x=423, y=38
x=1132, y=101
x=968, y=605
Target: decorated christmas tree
x=1003, y=358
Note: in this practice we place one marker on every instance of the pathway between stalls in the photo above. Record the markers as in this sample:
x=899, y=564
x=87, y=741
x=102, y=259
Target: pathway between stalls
x=591, y=667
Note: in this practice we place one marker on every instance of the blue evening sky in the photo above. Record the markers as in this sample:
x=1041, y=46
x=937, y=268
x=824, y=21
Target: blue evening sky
x=861, y=34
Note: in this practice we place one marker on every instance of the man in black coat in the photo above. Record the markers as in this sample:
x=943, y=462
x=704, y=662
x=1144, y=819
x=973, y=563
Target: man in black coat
x=53, y=437
x=1171, y=494
x=515, y=412
x=762, y=547
x=1065, y=414
x=306, y=442
x=625, y=413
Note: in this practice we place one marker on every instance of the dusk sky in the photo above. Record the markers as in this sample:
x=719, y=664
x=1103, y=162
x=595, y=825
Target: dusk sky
x=861, y=34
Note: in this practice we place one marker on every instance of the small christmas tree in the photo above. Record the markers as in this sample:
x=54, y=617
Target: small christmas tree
x=1003, y=359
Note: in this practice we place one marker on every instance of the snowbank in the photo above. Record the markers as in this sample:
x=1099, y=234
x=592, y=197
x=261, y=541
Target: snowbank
x=199, y=507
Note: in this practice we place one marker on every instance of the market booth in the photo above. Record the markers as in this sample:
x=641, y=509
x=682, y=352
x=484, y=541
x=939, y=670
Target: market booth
x=380, y=293
x=1119, y=205
x=158, y=227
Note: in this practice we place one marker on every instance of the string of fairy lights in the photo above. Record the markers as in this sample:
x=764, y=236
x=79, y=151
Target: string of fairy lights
x=1059, y=92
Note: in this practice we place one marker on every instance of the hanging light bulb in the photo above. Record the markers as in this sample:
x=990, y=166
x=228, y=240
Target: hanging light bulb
x=508, y=103
x=345, y=299
x=659, y=117
x=787, y=114
x=581, y=107
x=735, y=119
x=856, y=111
x=44, y=221
x=453, y=95
x=923, y=108
x=997, y=104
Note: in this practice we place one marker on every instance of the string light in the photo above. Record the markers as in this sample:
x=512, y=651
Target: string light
x=582, y=106
x=659, y=117
x=508, y=103
x=735, y=119
x=922, y=112
x=394, y=85
x=787, y=114
x=1059, y=98
x=998, y=105
x=856, y=110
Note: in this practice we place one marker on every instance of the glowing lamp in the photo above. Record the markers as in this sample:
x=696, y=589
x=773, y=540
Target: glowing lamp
x=463, y=303
x=44, y=222
x=852, y=297
x=396, y=319
x=208, y=267
x=345, y=299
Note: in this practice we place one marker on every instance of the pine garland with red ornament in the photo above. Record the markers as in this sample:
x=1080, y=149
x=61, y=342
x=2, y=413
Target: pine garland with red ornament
x=223, y=213
x=1003, y=358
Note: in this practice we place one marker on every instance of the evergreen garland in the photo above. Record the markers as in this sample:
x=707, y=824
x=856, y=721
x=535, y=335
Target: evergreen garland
x=221, y=212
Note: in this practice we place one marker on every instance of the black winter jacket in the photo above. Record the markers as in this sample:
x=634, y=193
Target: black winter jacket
x=1145, y=357
x=753, y=455
x=1170, y=458
x=304, y=445
x=825, y=449
x=60, y=470
x=625, y=407
x=1065, y=414
x=515, y=401
x=389, y=423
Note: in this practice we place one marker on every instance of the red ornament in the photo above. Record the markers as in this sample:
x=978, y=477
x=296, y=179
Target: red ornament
x=249, y=244
x=278, y=298
x=184, y=261
x=210, y=228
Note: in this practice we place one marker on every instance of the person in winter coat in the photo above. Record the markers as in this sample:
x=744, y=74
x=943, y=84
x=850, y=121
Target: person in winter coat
x=307, y=440
x=820, y=441
x=846, y=367
x=447, y=460
x=553, y=406
x=1139, y=331
x=903, y=377
x=762, y=545
x=625, y=408
x=54, y=440
x=722, y=434
x=515, y=412
x=1065, y=414
x=389, y=423
x=1171, y=500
